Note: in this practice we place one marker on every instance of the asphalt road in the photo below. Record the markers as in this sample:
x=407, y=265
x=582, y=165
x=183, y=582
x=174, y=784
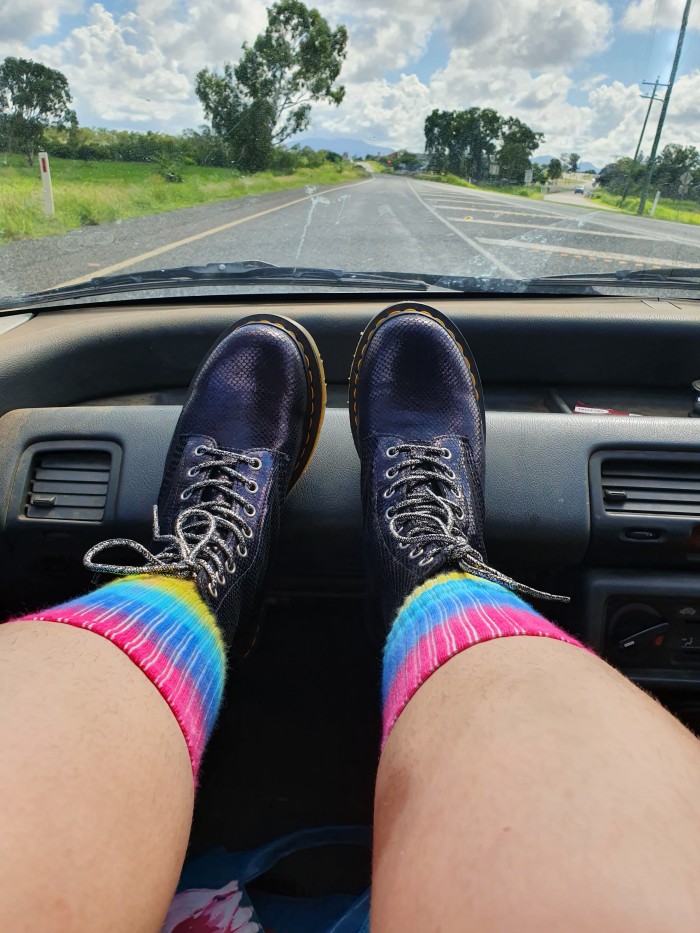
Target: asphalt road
x=387, y=223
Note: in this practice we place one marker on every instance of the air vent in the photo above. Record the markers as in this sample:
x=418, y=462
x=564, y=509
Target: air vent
x=68, y=485
x=652, y=486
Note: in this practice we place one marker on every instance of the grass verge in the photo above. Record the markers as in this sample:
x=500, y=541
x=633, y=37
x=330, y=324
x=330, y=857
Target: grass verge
x=684, y=212
x=91, y=193
x=520, y=191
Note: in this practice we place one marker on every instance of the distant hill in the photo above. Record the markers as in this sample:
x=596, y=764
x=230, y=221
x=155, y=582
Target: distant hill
x=341, y=144
x=582, y=166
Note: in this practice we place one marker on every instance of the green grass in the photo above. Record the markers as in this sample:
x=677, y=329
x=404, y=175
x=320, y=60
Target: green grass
x=688, y=211
x=91, y=193
x=520, y=191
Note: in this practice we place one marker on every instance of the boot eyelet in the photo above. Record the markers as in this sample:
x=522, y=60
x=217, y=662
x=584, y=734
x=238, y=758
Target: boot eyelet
x=212, y=589
x=256, y=464
x=241, y=550
x=199, y=451
x=230, y=566
x=388, y=493
x=185, y=495
x=459, y=513
x=416, y=552
x=446, y=453
x=253, y=487
x=458, y=493
x=451, y=474
x=425, y=561
x=392, y=452
x=403, y=545
x=249, y=510
x=389, y=512
x=220, y=578
x=391, y=473
x=248, y=532
x=193, y=471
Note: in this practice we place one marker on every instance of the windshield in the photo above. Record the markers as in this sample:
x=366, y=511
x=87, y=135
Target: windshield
x=503, y=142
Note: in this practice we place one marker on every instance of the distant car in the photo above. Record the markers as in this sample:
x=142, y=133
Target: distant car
x=579, y=189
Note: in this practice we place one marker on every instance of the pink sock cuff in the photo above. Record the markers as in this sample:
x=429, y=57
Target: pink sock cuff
x=445, y=616
x=163, y=626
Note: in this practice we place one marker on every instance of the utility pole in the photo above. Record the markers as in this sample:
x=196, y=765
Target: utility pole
x=664, y=107
x=651, y=98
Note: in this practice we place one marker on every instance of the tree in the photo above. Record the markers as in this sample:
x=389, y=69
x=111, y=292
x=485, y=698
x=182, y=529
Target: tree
x=266, y=98
x=461, y=141
x=464, y=142
x=538, y=173
x=672, y=164
x=554, y=169
x=518, y=144
x=572, y=161
x=624, y=176
x=32, y=97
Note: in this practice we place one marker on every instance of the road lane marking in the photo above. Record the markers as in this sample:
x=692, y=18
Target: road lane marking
x=506, y=270
x=588, y=253
x=568, y=230
x=168, y=247
x=491, y=210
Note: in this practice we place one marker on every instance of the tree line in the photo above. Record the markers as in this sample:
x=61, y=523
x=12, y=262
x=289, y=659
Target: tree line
x=255, y=107
x=625, y=177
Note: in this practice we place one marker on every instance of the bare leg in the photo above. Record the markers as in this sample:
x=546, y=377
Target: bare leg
x=528, y=786
x=97, y=787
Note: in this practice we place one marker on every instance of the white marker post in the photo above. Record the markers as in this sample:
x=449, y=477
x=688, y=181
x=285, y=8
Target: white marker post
x=46, y=183
x=656, y=201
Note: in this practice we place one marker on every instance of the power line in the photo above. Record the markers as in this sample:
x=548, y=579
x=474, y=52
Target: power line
x=664, y=107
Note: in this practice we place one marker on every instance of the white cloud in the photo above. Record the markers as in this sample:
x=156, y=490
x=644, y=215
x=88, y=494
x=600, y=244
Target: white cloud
x=535, y=34
x=641, y=15
x=22, y=20
x=139, y=68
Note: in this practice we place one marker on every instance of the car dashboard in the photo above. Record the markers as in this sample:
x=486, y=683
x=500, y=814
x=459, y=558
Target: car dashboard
x=602, y=508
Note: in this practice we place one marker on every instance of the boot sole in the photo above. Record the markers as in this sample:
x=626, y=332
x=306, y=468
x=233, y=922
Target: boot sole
x=409, y=307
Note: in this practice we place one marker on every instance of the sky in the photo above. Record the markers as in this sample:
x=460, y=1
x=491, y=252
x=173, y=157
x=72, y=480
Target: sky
x=573, y=72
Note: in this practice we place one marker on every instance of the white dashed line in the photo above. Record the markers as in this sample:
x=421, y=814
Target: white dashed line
x=569, y=231
x=506, y=270
x=592, y=254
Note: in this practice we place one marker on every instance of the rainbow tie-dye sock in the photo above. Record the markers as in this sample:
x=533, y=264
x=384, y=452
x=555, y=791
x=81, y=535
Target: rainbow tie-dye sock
x=163, y=625
x=444, y=616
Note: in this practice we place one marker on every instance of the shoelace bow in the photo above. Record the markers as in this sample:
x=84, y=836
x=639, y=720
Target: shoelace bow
x=430, y=523
x=199, y=539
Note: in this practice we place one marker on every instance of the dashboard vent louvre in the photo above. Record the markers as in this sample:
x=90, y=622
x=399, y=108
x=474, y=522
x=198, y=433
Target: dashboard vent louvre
x=69, y=485
x=650, y=486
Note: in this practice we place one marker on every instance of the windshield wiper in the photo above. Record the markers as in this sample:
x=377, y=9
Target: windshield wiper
x=250, y=272
x=254, y=272
x=686, y=278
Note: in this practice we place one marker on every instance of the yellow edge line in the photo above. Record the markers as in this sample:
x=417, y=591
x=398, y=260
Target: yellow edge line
x=117, y=266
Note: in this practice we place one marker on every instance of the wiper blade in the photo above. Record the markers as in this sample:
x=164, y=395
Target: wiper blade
x=250, y=272
x=684, y=277
x=255, y=272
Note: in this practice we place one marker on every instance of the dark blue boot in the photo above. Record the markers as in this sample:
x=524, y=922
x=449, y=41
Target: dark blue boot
x=417, y=416
x=247, y=431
